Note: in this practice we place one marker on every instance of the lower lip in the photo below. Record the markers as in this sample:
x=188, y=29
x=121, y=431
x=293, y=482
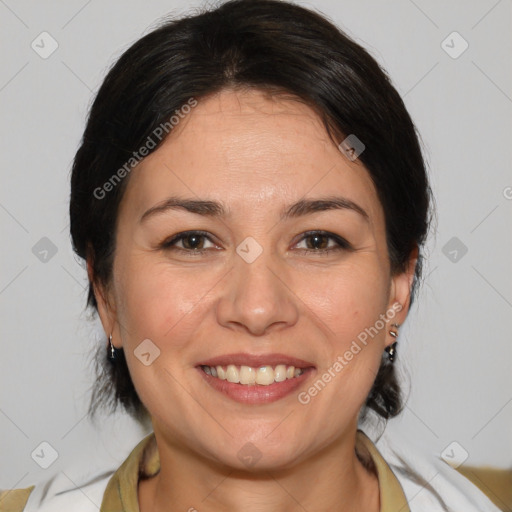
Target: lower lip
x=256, y=394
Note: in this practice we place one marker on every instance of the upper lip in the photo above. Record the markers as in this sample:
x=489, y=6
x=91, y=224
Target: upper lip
x=255, y=360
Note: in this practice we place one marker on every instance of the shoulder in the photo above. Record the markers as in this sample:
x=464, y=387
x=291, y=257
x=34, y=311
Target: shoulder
x=431, y=484
x=496, y=483
x=14, y=500
x=89, y=490
x=58, y=493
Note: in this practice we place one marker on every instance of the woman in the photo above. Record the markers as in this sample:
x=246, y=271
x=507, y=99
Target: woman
x=251, y=201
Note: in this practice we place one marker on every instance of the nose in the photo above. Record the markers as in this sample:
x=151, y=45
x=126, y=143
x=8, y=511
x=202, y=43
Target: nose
x=257, y=299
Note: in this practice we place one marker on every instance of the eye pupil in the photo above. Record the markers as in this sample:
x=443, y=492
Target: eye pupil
x=317, y=244
x=195, y=241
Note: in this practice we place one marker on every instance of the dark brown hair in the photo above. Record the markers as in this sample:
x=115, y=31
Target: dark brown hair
x=272, y=46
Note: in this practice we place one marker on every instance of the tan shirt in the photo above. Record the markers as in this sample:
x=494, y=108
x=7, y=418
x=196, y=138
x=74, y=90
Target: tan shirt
x=121, y=492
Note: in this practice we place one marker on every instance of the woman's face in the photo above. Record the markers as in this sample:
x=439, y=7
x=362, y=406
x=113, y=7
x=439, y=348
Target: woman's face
x=275, y=285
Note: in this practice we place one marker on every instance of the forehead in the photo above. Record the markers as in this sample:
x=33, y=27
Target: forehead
x=247, y=148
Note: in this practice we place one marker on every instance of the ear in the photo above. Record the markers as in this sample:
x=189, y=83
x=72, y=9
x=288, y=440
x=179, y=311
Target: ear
x=106, y=306
x=400, y=291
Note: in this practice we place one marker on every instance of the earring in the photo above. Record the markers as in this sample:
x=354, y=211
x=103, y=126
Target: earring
x=391, y=349
x=112, y=352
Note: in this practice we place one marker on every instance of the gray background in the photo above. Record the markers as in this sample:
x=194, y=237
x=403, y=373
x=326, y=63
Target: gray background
x=456, y=345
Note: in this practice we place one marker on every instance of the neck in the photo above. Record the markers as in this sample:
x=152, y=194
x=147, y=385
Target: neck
x=334, y=479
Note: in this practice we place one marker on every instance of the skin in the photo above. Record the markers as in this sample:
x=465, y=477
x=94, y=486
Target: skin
x=256, y=154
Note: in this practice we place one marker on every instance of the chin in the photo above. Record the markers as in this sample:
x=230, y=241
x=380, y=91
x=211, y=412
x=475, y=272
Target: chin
x=260, y=454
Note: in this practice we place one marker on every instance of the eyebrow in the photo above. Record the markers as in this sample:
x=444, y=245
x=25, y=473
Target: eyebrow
x=215, y=209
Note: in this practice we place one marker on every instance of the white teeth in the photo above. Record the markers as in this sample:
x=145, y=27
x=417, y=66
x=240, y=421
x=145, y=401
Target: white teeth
x=246, y=375
x=265, y=375
x=280, y=373
x=232, y=374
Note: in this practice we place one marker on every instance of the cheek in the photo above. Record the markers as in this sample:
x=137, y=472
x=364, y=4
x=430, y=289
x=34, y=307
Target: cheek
x=161, y=302
x=350, y=303
x=348, y=299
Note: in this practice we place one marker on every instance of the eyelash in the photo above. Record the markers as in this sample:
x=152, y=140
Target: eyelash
x=342, y=244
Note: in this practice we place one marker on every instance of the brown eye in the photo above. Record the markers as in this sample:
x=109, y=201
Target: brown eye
x=323, y=242
x=191, y=241
x=317, y=241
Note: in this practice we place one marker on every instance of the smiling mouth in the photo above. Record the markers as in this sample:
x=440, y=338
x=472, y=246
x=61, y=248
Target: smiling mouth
x=264, y=375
